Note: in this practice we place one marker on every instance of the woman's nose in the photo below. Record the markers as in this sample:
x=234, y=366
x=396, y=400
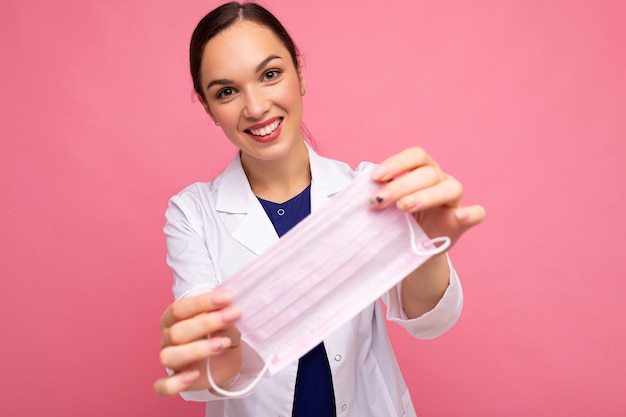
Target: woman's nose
x=256, y=104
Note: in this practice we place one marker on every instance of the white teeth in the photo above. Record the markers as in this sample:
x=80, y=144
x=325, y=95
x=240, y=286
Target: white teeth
x=264, y=131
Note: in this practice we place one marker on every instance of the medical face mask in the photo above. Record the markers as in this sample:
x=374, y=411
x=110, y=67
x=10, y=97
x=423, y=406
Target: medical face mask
x=323, y=272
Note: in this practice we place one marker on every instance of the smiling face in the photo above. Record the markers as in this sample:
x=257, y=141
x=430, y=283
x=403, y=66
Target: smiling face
x=253, y=90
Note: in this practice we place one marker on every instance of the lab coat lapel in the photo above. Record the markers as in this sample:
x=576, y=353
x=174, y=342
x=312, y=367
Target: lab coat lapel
x=251, y=226
x=327, y=179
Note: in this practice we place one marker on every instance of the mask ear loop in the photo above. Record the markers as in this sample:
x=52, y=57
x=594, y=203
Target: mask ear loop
x=433, y=246
x=240, y=393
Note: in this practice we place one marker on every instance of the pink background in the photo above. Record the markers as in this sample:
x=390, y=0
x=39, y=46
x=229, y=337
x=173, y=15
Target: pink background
x=524, y=101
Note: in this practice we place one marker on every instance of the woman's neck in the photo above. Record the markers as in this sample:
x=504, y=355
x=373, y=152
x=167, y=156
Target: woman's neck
x=282, y=179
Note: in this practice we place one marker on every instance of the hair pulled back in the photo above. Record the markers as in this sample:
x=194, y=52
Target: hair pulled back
x=225, y=16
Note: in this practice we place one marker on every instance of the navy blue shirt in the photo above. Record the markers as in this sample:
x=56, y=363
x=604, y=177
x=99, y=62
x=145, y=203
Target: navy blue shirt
x=314, y=396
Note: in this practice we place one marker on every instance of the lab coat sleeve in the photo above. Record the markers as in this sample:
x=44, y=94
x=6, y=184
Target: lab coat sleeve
x=187, y=252
x=434, y=322
x=194, y=273
x=190, y=261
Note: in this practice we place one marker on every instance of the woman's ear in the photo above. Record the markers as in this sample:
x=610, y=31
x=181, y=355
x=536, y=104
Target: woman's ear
x=207, y=109
x=301, y=77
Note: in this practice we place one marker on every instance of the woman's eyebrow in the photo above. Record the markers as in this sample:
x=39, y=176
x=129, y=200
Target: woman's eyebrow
x=258, y=68
x=265, y=62
x=219, y=82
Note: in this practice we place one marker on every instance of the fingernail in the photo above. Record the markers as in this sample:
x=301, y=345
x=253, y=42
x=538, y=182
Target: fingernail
x=381, y=172
x=220, y=297
x=462, y=214
x=380, y=197
x=216, y=345
x=230, y=314
x=406, y=203
x=187, y=378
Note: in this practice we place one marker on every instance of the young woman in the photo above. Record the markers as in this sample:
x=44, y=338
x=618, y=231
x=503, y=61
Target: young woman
x=248, y=76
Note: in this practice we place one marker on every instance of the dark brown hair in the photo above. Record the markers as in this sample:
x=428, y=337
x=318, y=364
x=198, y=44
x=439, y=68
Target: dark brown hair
x=225, y=16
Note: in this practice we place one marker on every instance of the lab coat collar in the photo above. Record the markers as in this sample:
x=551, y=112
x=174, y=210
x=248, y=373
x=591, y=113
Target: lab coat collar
x=235, y=197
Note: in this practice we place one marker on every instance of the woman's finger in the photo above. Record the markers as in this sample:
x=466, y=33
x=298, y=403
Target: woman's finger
x=445, y=193
x=231, y=332
x=410, y=183
x=191, y=306
x=199, y=326
x=178, y=357
x=175, y=384
x=404, y=161
x=470, y=216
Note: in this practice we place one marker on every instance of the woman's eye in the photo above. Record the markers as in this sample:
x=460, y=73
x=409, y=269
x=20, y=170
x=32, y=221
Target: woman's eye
x=225, y=93
x=271, y=74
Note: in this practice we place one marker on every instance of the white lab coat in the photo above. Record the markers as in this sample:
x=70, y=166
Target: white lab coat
x=215, y=228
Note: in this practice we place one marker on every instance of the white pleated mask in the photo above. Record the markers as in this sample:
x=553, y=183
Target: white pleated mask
x=323, y=272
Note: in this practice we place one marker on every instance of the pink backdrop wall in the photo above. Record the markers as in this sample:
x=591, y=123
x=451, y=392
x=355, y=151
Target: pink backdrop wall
x=524, y=101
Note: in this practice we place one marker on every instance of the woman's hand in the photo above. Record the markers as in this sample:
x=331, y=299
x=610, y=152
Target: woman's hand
x=416, y=184
x=194, y=329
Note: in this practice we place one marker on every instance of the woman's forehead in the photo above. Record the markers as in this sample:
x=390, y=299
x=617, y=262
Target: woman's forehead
x=241, y=47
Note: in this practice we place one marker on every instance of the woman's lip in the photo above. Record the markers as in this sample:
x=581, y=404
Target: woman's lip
x=265, y=123
x=267, y=138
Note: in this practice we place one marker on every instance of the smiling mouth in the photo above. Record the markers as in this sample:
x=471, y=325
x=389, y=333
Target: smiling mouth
x=265, y=130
